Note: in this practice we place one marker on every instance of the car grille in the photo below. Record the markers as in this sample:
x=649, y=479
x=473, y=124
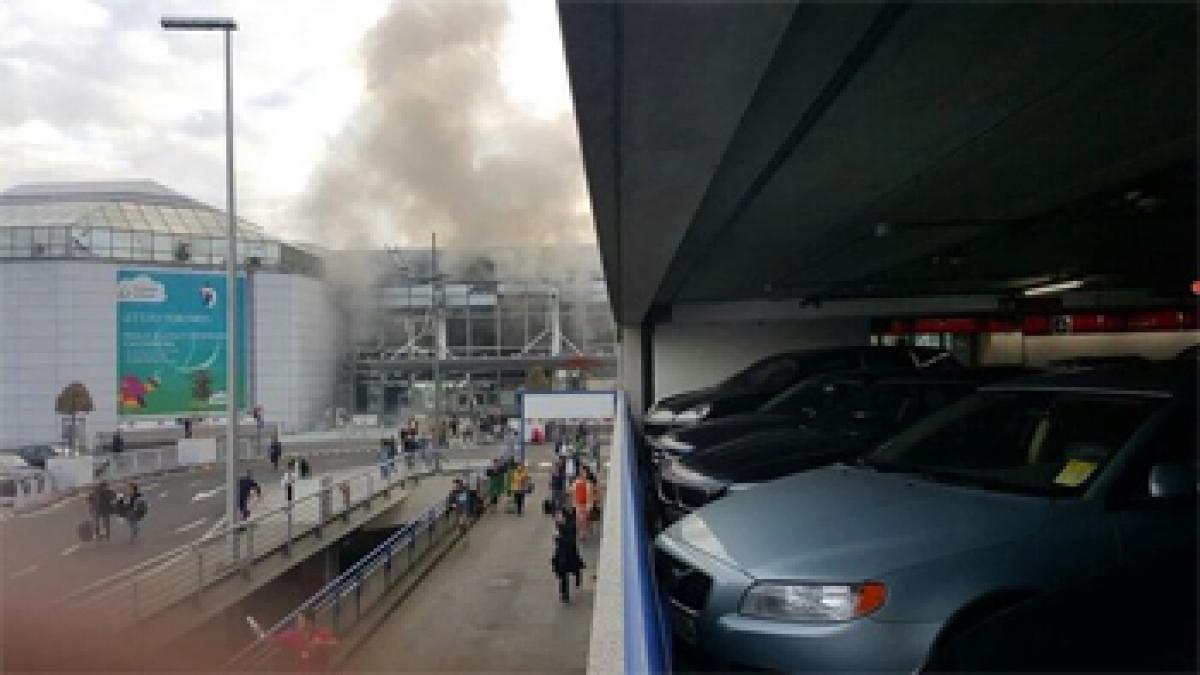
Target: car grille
x=685, y=585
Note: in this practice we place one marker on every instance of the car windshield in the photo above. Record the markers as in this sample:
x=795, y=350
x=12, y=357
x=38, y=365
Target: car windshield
x=772, y=371
x=1035, y=442
x=888, y=406
x=807, y=397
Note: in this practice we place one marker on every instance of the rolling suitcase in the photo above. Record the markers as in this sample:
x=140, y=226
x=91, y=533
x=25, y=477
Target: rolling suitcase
x=85, y=531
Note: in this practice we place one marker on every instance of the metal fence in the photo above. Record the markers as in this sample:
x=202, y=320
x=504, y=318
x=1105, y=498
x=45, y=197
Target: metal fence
x=341, y=604
x=186, y=572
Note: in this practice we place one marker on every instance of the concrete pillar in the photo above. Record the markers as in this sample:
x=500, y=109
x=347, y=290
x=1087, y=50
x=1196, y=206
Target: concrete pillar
x=632, y=366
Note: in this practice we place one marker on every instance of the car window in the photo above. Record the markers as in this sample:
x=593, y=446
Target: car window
x=811, y=394
x=888, y=358
x=1174, y=442
x=755, y=374
x=1034, y=441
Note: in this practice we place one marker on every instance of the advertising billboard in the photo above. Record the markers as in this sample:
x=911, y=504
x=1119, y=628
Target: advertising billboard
x=171, y=351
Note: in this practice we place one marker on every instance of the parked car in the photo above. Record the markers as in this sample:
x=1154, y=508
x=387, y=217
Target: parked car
x=756, y=384
x=1013, y=492
x=1044, y=633
x=36, y=455
x=857, y=412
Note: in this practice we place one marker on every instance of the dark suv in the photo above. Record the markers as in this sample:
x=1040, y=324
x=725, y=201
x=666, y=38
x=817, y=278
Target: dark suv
x=845, y=415
x=758, y=383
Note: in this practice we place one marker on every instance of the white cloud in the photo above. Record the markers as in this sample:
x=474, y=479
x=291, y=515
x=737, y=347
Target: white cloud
x=96, y=90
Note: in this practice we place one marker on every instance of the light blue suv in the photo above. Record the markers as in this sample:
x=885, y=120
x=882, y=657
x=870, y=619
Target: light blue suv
x=1007, y=494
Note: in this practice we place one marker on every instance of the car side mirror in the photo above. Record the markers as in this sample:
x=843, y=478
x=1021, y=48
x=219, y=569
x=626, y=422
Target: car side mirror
x=1172, y=481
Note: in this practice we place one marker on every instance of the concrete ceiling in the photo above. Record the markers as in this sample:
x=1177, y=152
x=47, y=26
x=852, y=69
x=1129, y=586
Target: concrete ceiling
x=750, y=151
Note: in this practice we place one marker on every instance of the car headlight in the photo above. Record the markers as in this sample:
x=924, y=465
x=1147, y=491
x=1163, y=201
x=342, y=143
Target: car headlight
x=813, y=602
x=695, y=413
x=672, y=442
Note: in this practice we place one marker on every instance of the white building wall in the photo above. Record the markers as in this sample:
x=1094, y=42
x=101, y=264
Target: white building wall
x=297, y=347
x=693, y=355
x=1040, y=350
x=58, y=325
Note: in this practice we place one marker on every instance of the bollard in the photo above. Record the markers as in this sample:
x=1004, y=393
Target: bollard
x=288, y=545
x=199, y=572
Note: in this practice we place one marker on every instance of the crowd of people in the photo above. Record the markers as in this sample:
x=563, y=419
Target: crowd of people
x=104, y=503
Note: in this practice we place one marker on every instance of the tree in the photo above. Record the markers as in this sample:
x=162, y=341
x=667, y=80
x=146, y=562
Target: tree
x=73, y=400
x=536, y=379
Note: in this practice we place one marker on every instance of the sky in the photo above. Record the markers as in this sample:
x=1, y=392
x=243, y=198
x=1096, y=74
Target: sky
x=96, y=90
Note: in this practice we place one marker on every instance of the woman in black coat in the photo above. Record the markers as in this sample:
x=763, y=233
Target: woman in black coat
x=566, y=559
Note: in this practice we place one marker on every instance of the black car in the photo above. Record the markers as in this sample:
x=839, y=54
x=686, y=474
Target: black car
x=758, y=383
x=36, y=455
x=859, y=413
x=799, y=405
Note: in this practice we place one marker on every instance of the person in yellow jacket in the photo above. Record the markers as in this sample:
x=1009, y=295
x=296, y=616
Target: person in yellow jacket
x=520, y=487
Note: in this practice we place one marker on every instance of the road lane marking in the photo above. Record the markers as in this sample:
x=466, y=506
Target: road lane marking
x=163, y=494
x=71, y=549
x=208, y=494
x=22, y=573
x=545, y=465
x=150, y=488
x=191, y=526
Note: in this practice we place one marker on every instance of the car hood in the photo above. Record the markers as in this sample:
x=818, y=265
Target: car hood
x=841, y=522
x=766, y=455
x=688, y=399
x=713, y=432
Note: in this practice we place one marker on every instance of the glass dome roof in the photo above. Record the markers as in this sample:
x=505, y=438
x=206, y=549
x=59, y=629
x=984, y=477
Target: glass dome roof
x=141, y=206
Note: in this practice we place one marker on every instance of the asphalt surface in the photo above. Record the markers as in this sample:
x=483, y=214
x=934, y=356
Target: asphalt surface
x=43, y=560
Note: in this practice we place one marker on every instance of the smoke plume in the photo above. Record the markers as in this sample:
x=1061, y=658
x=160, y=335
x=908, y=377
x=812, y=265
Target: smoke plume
x=437, y=145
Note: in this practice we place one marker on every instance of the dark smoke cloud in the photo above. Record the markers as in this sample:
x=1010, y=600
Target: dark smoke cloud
x=436, y=144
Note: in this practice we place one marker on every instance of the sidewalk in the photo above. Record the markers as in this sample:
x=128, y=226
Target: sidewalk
x=491, y=605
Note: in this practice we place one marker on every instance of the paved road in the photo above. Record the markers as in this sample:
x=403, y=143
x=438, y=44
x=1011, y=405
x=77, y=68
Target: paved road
x=41, y=556
x=42, y=559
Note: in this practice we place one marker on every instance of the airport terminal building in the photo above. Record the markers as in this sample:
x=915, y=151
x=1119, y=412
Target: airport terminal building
x=120, y=285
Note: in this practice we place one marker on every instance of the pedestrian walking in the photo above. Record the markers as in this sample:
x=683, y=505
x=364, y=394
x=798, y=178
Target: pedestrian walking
x=305, y=469
x=495, y=482
x=118, y=442
x=520, y=487
x=247, y=485
x=558, y=485
x=101, y=504
x=307, y=645
x=581, y=492
x=134, y=510
x=276, y=451
x=566, y=560
x=288, y=481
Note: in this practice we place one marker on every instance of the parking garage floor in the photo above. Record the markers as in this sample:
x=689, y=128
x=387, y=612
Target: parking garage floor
x=492, y=604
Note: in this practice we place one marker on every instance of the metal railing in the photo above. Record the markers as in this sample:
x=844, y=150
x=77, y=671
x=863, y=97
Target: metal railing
x=340, y=605
x=113, y=466
x=188, y=571
x=647, y=639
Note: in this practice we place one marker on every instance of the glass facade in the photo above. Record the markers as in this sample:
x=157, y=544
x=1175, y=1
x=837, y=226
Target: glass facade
x=141, y=222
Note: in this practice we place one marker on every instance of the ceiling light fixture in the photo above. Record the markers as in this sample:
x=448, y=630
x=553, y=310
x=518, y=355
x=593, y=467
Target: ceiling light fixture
x=1057, y=287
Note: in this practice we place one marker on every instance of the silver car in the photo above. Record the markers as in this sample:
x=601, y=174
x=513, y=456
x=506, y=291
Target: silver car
x=1012, y=492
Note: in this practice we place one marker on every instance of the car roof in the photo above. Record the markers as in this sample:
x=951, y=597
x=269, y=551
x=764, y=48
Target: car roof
x=1160, y=379
x=978, y=376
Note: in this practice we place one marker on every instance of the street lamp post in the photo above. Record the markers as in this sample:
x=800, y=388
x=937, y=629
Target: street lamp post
x=226, y=26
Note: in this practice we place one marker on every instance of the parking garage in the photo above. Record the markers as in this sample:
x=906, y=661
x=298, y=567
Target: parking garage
x=1011, y=184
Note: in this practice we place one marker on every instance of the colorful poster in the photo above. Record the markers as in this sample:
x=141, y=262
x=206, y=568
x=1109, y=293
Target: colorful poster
x=171, y=349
